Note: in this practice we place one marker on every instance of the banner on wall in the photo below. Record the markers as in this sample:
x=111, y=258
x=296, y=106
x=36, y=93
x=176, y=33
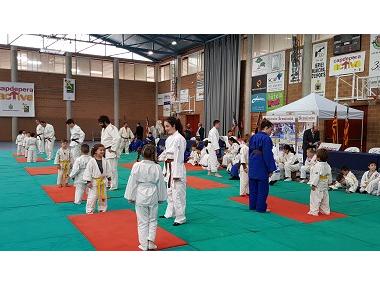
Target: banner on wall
x=167, y=104
x=259, y=84
x=277, y=61
x=374, y=56
x=295, y=69
x=160, y=99
x=16, y=99
x=275, y=81
x=184, y=95
x=318, y=68
x=261, y=65
x=347, y=63
x=258, y=102
x=68, y=89
x=275, y=100
x=199, y=95
x=307, y=118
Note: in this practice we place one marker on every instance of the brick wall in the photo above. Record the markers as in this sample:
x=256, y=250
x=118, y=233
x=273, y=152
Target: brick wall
x=293, y=92
x=94, y=97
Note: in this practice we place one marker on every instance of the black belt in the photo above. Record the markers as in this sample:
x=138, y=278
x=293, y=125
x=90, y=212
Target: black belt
x=257, y=151
x=108, y=147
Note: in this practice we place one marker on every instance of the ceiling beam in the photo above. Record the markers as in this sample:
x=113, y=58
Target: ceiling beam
x=164, y=45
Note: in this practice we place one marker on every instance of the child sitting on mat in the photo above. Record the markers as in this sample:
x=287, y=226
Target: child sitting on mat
x=320, y=179
x=77, y=173
x=98, y=177
x=346, y=180
x=370, y=179
x=195, y=156
x=146, y=189
x=63, y=162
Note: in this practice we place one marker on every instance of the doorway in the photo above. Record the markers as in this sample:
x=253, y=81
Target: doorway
x=193, y=120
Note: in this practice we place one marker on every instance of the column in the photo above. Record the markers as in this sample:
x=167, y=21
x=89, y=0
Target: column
x=69, y=75
x=306, y=64
x=156, y=68
x=178, y=74
x=116, y=93
x=248, y=86
x=14, y=79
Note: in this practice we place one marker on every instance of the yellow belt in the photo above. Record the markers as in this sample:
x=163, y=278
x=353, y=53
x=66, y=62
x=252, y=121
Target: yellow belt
x=65, y=167
x=101, y=189
x=323, y=177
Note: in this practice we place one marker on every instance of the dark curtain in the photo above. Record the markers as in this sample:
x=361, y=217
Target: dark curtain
x=222, y=81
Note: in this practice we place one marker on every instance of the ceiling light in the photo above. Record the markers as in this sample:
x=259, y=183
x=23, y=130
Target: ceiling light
x=150, y=52
x=174, y=43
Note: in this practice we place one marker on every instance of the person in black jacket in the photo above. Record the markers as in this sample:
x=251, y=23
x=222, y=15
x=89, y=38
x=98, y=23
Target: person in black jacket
x=311, y=137
x=188, y=132
x=201, y=132
x=139, y=132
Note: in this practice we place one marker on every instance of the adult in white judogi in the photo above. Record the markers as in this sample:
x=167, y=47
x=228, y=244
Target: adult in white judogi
x=126, y=136
x=320, y=179
x=76, y=173
x=63, y=159
x=244, y=179
x=49, y=137
x=19, y=140
x=369, y=182
x=97, y=181
x=175, y=171
x=311, y=160
x=213, y=148
x=146, y=188
x=40, y=137
x=76, y=138
x=31, y=145
x=110, y=138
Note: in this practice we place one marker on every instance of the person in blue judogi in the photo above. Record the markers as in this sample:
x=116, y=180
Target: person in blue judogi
x=261, y=167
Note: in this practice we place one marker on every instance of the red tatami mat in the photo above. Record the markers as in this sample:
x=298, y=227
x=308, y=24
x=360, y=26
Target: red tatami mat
x=203, y=184
x=117, y=230
x=44, y=170
x=291, y=210
x=190, y=167
x=61, y=194
x=127, y=165
x=16, y=155
x=23, y=159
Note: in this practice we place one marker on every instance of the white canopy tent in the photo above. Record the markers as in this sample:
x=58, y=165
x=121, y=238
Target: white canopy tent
x=323, y=108
x=315, y=104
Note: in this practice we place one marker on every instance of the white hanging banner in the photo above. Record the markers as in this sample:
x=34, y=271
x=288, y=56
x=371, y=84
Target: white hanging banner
x=184, y=95
x=167, y=104
x=16, y=99
x=275, y=81
x=347, y=63
x=68, y=89
x=318, y=68
x=374, y=56
x=280, y=119
x=307, y=118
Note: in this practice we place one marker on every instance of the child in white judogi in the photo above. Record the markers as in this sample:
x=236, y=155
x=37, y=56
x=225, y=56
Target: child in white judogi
x=370, y=180
x=244, y=179
x=31, y=145
x=63, y=160
x=98, y=177
x=231, y=153
x=320, y=179
x=25, y=144
x=347, y=180
x=77, y=173
x=195, y=156
x=146, y=188
x=203, y=161
x=311, y=160
x=287, y=163
x=19, y=140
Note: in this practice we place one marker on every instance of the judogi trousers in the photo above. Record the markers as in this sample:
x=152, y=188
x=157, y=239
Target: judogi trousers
x=114, y=173
x=146, y=223
x=92, y=199
x=319, y=202
x=177, y=201
x=32, y=155
x=79, y=190
x=258, y=193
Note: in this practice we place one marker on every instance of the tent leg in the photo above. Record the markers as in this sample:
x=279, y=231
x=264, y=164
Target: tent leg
x=361, y=138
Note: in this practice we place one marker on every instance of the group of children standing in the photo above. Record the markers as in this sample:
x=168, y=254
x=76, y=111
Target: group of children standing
x=27, y=145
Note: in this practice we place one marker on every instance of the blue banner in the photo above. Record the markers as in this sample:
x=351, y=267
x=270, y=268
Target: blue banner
x=259, y=102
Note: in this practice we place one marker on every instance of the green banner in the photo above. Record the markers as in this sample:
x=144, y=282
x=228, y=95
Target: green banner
x=275, y=100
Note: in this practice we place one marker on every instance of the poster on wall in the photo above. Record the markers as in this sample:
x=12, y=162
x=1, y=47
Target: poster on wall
x=199, y=95
x=275, y=100
x=68, y=89
x=347, y=63
x=318, y=68
x=160, y=99
x=374, y=56
x=167, y=104
x=275, y=81
x=295, y=69
x=184, y=95
x=261, y=65
x=259, y=84
x=277, y=61
x=16, y=99
x=258, y=102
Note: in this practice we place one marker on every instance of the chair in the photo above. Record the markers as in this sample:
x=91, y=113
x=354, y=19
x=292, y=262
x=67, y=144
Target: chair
x=375, y=150
x=352, y=149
